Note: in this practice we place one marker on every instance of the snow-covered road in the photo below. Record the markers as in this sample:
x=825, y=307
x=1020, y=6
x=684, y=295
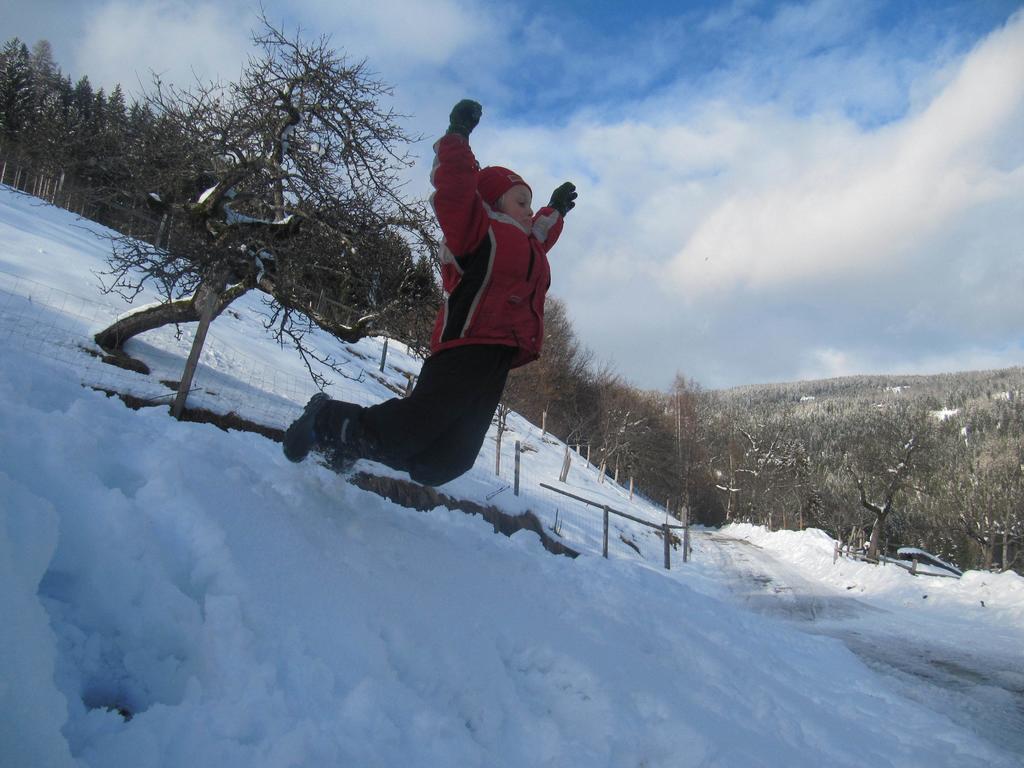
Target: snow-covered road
x=966, y=672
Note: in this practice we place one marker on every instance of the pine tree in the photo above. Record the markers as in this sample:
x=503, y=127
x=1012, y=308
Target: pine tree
x=50, y=143
x=16, y=93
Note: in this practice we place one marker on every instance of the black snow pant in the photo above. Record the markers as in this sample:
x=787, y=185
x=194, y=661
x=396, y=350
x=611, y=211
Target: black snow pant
x=435, y=433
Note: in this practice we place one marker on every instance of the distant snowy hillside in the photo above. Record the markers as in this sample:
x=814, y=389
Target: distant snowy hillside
x=178, y=595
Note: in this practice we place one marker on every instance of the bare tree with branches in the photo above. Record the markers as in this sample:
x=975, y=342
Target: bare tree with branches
x=885, y=461
x=285, y=181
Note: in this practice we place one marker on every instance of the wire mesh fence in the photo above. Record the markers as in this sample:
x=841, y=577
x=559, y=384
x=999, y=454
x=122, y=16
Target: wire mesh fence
x=53, y=323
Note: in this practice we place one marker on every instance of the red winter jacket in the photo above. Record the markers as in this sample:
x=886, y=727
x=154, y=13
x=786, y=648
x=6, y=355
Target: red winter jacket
x=494, y=274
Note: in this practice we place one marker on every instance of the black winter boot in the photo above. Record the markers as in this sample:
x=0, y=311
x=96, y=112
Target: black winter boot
x=339, y=427
x=301, y=437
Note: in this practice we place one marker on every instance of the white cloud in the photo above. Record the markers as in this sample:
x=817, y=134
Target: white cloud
x=124, y=40
x=830, y=363
x=814, y=24
x=400, y=34
x=847, y=202
x=127, y=41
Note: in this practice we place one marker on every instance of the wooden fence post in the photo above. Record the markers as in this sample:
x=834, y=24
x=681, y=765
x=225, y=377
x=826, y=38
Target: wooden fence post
x=630, y=487
x=519, y=451
x=606, y=531
x=686, y=535
x=668, y=546
x=544, y=422
x=205, y=318
x=384, y=355
x=566, y=463
x=497, y=452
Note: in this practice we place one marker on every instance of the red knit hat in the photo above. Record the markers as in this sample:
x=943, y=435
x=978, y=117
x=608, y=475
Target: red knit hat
x=494, y=181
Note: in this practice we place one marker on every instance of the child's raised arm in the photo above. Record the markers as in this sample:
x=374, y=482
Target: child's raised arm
x=457, y=206
x=546, y=225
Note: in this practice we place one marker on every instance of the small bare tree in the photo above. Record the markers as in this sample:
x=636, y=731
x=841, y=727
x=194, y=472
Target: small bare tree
x=501, y=423
x=989, y=489
x=285, y=181
x=885, y=460
x=620, y=422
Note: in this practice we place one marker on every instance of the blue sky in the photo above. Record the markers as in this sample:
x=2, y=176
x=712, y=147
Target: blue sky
x=768, y=191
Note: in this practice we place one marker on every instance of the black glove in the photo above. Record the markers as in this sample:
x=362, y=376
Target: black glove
x=464, y=117
x=563, y=199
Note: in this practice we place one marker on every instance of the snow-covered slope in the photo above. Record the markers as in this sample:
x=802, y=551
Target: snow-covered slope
x=176, y=595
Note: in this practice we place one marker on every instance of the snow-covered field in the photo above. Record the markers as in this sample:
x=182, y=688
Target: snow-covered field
x=176, y=595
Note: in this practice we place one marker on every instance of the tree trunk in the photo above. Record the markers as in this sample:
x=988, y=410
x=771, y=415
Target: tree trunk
x=1004, y=564
x=876, y=533
x=163, y=230
x=209, y=303
x=185, y=311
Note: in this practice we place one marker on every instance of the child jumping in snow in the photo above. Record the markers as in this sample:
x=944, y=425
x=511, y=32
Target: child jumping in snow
x=495, y=275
